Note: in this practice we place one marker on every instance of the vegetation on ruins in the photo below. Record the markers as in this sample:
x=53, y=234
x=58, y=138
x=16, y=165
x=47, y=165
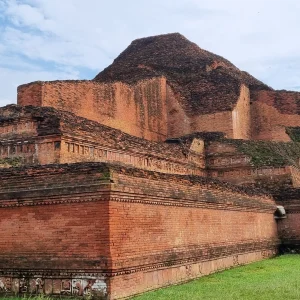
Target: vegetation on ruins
x=11, y=162
x=269, y=153
x=294, y=133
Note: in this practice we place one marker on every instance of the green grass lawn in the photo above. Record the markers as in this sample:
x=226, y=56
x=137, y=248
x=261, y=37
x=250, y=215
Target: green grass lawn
x=277, y=278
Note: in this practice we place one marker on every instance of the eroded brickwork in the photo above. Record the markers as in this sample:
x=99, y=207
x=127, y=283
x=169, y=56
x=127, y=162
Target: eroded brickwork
x=219, y=122
x=39, y=135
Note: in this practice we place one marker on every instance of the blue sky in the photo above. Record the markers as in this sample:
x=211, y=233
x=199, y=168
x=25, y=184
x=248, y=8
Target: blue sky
x=75, y=39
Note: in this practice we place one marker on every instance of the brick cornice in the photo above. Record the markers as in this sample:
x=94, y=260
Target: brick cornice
x=96, y=193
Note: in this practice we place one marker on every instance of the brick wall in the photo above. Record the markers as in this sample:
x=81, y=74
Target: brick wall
x=54, y=236
x=234, y=123
x=218, y=122
x=258, y=176
x=286, y=102
x=31, y=94
x=54, y=219
x=74, y=150
x=289, y=231
x=170, y=238
x=139, y=110
x=30, y=151
x=151, y=109
x=271, y=112
x=123, y=231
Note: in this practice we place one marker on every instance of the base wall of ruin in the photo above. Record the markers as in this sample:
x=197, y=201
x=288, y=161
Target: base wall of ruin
x=113, y=232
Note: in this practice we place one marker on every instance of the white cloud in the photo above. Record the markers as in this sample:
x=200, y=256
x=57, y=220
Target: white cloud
x=10, y=79
x=59, y=38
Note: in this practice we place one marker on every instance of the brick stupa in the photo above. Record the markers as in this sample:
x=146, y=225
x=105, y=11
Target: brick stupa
x=171, y=164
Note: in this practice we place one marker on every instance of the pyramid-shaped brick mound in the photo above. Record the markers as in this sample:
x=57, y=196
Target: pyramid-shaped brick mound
x=204, y=82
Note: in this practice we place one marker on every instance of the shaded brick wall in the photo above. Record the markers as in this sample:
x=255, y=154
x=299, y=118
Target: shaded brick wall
x=31, y=94
x=289, y=230
x=226, y=162
x=286, y=102
x=271, y=112
x=234, y=123
x=268, y=123
x=264, y=176
x=220, y=121
x=295, y=172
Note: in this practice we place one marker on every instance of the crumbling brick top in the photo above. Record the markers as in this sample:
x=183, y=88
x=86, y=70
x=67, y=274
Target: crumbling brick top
x=52, y=121
x=203, y=135
x=265, y=153
x=88, y=171
x=186, y=140
x=57, y=82
x=205, y=82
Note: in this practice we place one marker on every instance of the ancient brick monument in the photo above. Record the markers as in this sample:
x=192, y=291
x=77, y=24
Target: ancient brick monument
x=171, y=164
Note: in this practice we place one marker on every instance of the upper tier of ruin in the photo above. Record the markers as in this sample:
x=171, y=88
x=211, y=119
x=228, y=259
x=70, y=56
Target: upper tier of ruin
x=159, y=171
x=206, y=82
x=165, y=86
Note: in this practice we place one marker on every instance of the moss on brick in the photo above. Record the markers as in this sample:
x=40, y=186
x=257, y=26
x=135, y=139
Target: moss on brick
x=294, y=133
x=266, y=153
x=11, y=162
